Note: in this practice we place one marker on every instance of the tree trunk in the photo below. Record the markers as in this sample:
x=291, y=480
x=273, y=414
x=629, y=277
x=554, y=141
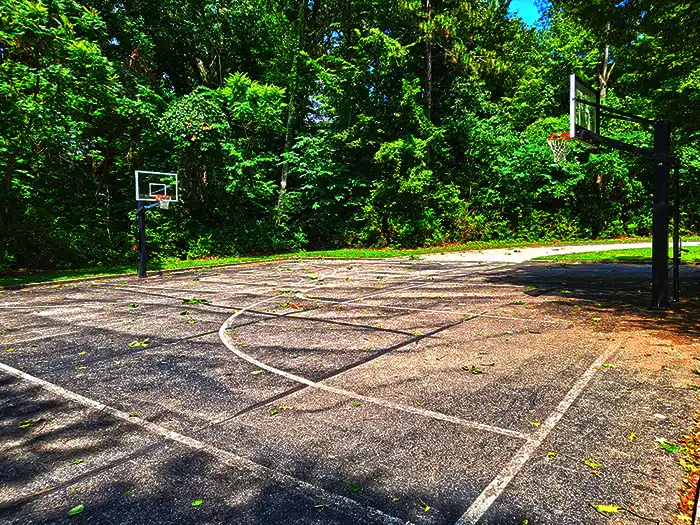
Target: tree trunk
x=291, y=107
x=9, y=170
x=605, y=68
x=428, y=63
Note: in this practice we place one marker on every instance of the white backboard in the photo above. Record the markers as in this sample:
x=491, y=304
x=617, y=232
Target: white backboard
x=584, y=108
x=151, y=186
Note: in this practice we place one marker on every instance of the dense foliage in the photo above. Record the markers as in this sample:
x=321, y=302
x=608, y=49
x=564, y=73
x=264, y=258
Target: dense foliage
x=308, y=124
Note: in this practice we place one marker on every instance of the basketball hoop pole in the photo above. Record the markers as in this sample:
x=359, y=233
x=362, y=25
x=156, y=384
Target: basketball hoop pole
x=141, y=217
x=660, y=155
x=660, y=221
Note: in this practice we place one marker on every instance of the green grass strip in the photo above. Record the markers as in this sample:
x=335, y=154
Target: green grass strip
x=24, y=277
x=632, y=255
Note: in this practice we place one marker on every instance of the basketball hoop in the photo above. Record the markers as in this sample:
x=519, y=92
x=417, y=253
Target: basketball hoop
x=560, y=143
x=163, y=201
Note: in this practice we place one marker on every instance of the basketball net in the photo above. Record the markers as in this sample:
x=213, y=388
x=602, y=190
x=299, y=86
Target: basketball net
x=163, y=201
x=560, y=143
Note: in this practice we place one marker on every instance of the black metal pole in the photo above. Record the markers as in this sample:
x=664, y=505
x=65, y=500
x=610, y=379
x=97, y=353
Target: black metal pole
x=660, y=224
x=676, y=236
x=141, y=216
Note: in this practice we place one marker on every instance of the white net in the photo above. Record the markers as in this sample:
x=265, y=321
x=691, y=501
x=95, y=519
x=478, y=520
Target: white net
x=164, y=204
x=560, y=143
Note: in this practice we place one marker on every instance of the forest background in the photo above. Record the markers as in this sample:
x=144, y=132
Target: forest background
x=307, y=124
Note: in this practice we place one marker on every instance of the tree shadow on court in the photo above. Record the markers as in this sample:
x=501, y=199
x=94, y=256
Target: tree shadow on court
x=584, y=290
x=164, y=484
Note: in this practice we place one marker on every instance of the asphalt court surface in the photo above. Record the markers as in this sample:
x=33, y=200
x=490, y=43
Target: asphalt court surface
x=386, y=391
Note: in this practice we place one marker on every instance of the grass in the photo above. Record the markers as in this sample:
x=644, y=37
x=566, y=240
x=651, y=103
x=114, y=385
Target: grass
x=24, y=277
x=632, y=255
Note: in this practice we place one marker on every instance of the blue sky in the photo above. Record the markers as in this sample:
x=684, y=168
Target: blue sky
x=526, y=10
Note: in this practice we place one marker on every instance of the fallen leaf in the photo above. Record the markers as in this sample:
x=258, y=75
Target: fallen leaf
x=472, y=369
x=606, y=509
x=551, y=455
x=257, y=372
x=140, y=343
x=426, y=507
x=76, y=510
x=592, y=464
x=132, y=306
x=535, y=423
x=696, y=371
x=9, y=350
x=273, y=411
x=197, y=502
x=609, y=365
x=26, y=423
x=354, y=487
x=196, y=301
x=77, y=462
x=632, y=436
x=666, y=445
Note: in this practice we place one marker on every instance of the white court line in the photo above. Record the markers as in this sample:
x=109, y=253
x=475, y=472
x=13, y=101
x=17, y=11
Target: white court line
x=64, y=305
x=347, y=393
x=489, y=495
x=233, y=460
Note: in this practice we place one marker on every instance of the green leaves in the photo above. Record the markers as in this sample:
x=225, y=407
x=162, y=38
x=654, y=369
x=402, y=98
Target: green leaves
x=354, y=488
x=234, y=102
x=194, y=301
x=593, y=464
x=664, y=444
x=139, y=343
x=197, y=503
x=78, y=509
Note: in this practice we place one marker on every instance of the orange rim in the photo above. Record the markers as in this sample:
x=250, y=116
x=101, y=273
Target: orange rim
x=563, y=135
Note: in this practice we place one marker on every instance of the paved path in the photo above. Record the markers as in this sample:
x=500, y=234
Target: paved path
x=518, y=255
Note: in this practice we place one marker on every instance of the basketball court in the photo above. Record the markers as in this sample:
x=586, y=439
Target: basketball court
x=385, y=391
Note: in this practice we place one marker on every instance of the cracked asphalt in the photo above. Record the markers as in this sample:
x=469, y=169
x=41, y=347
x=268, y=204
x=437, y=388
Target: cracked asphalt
x=348, y=392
